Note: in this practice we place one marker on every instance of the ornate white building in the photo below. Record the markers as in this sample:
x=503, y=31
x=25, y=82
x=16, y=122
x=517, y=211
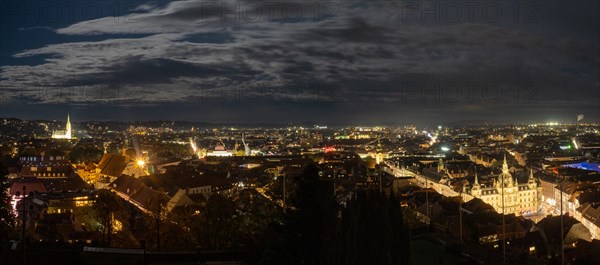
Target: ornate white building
x=63, y=134
x=508, y=196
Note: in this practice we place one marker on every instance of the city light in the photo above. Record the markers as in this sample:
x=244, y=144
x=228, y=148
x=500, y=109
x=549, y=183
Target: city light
x=244, y=166
x=244, y=132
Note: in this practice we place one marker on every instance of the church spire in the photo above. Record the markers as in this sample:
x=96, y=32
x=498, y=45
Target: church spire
x=531, y=181
x=530, y=173
x=68, y=127
x=476, y=187
x=505, y=165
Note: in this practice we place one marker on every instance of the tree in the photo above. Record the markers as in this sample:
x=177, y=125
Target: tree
x=372, y=231
x=82, y=153
x=215, y=225
x=109, y=207
x=307, y=234
x=7, y=217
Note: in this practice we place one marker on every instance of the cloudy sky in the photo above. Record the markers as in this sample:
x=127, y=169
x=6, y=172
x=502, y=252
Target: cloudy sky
x=301, y=61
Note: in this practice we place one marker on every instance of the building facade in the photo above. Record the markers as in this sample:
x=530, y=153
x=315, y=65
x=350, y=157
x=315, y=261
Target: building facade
x=508, y=196
x=63, y=134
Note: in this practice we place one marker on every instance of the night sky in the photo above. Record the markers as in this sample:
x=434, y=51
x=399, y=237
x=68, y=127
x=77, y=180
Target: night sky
x=301, y=61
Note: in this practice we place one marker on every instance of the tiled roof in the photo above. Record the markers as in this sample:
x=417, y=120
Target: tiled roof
x=112, y=165
x=147, y=198
x=32, y=184
x=65, y=184
x=591, y=212
x=126, y=184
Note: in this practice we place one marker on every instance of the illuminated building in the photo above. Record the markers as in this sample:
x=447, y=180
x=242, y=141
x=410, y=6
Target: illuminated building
x=246, y=147
x=518, y=198
x=219, y=150
x=63, y=134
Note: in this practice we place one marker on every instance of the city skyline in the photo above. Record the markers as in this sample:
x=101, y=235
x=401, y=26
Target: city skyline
x=156, y=190
x=310, y=124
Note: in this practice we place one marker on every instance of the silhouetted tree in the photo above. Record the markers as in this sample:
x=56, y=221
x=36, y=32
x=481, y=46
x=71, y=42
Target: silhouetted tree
x=85, y=153
x=108, y=207
x=7, y=218
x=307, y=234
x=372, y=231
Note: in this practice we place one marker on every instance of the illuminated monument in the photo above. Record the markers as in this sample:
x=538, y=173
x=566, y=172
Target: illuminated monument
x=63, y=134
x=508, y=196
x=219, y=150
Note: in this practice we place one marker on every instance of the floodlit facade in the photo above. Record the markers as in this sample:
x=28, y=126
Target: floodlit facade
x=508, y=196
x=63, y=134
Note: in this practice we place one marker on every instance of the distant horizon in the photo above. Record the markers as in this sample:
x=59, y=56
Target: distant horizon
x=328, y=124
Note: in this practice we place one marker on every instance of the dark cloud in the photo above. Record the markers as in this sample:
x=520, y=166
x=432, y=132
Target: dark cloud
x=137, y=70
x=361, y=53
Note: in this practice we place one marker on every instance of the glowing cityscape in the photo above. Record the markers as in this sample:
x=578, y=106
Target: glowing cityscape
x=299, y=133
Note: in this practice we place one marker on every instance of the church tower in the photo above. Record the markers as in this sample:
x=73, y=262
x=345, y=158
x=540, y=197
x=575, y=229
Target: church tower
x=476, y=189
x=64, y=134
x=505, y=179
x=508, y=191
x=68, y=127
x=531, y=183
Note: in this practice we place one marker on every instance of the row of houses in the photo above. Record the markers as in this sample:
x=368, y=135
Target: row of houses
x=580, y=200
x=166, y=192
x=482, y=226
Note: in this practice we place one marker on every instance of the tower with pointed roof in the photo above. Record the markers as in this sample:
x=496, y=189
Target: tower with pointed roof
x=476, y=189
x=507, y=195
x=505, y=179
x=531, y=183
x=64, y=134
x=68, y=127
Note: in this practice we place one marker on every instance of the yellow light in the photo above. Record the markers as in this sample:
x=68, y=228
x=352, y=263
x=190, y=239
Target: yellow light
x=141, y=163
x=117, y=225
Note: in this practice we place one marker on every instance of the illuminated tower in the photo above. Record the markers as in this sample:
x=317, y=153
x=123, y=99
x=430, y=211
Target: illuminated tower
x=476, y=189
x=63, y=134
x=505, y=179
x=68, y=128
x=531, y=184
x=246, y=147
x=508, y=190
